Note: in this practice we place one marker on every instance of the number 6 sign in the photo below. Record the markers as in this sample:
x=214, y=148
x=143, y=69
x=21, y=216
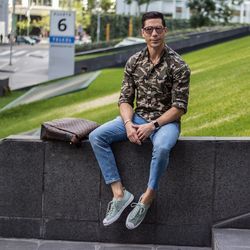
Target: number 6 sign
x=62, y=24
x=62, y=47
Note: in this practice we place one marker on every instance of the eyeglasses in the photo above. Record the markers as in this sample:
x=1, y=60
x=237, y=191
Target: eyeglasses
x=149, y=30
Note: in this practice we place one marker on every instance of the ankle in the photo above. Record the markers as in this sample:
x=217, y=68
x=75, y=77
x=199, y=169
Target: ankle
x=118, y=194
x=147, y=200
x=148, y=197
x=117, y=190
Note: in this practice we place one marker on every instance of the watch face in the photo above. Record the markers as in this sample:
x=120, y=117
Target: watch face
x=156, y=124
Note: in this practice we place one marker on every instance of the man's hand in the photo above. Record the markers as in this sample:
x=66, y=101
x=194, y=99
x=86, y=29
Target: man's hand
x=132, y=133
x=144, y=131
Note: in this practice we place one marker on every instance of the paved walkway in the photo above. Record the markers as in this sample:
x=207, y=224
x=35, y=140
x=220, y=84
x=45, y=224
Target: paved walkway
x=231, y=239
x=33, y=244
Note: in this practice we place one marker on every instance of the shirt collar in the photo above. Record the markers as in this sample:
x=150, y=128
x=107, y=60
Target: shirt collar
x=146, y=59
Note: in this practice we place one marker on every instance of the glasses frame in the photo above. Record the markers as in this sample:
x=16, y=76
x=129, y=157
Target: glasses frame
x=158, y=29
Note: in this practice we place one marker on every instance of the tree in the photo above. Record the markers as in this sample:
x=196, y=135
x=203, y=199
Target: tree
x=43, y=24
x=78, y=7
x=223, y=11
x=91, y=5
x=139, y=3
x=106, y=5
x=202, y=12
x=237, y=2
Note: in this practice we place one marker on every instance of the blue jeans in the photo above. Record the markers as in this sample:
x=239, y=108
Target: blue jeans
x=163, y=140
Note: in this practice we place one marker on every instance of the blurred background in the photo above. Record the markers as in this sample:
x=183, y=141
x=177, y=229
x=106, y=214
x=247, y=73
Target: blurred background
x=110, y=20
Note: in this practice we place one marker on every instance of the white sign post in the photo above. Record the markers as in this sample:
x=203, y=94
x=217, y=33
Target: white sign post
x=62, y=44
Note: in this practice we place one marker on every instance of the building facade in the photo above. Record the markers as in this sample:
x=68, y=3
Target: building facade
x=34, y=7
x=174, y=8
x=25, y=8
x=4, y=21
x=178, y=9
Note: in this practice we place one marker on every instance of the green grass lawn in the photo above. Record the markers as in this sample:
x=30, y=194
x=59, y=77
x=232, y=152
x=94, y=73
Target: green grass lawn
x=31, y=115
x=220, y=90
x=4, y=100
x=218, y=104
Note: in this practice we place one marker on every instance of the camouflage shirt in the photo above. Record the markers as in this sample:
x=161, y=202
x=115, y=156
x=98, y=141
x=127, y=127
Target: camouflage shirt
x=157, y=87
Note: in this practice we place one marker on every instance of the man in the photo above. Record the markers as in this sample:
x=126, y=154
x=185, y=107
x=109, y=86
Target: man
x=159, y=79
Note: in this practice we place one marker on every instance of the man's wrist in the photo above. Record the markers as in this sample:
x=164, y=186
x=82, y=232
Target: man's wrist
x=127, y=121
x=155, y=124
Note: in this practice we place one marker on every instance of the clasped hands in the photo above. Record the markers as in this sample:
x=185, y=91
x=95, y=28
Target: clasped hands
x=139, y=133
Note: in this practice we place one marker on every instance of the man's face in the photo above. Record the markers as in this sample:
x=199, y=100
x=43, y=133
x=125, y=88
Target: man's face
x=154, y=32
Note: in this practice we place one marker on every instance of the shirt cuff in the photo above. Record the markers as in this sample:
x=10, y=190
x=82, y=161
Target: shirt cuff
x=180, y=105
x=123, y=100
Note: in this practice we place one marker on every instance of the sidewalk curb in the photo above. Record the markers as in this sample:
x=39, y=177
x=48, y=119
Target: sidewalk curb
x=8, y=70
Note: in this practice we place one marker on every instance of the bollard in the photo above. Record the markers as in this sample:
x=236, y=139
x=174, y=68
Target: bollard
x=4, y=86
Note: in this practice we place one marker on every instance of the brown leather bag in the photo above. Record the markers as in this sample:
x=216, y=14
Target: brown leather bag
x=71, y=130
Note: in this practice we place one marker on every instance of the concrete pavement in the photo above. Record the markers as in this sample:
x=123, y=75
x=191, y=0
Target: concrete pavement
x=29, y=65
x=33, y=244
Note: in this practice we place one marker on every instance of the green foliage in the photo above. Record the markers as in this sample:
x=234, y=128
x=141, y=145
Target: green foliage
x=107, y=5
x=22, y=27
x=43, y=24
x=91, y=5
x=78, y=7
x=223, y=12
x=119, y=25
x=95, y=45
x=208, y=12
x=202, y=12
x=36, y=26
x=139, y=3
x=177, y=24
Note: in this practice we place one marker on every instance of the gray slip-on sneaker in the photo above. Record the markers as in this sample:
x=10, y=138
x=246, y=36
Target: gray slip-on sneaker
x=116, y=207
x=137, y=215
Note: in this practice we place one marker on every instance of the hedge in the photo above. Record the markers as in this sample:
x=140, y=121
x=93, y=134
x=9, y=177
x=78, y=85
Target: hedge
x=119, y=25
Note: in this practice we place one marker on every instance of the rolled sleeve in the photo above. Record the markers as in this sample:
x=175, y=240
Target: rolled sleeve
x=180, y=90
x=127, y=94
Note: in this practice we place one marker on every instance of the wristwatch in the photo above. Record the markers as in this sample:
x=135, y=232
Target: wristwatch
x=156, y=124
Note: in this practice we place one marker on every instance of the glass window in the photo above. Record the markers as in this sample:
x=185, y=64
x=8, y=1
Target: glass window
x=42, y=2
x=48, y=2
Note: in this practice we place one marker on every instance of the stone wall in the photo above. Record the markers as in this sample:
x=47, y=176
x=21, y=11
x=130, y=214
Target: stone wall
x=53, y=190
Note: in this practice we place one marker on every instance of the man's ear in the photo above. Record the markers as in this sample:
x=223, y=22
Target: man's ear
x=142, y=33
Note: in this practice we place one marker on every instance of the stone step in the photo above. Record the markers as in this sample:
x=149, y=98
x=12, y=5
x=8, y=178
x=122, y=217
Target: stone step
x=34, y=244
x=231, y=239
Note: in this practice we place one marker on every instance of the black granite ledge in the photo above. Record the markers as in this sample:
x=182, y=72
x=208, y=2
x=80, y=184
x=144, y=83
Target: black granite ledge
x=53, y=190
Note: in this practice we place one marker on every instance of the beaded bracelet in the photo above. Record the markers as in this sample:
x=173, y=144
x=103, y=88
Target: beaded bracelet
x=127, y=121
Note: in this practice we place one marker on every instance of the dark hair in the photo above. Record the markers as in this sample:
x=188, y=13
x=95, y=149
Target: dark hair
x=153, y=15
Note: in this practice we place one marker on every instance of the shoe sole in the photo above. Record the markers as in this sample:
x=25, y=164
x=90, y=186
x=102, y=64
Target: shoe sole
x=131, y=228
x=119, y=214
